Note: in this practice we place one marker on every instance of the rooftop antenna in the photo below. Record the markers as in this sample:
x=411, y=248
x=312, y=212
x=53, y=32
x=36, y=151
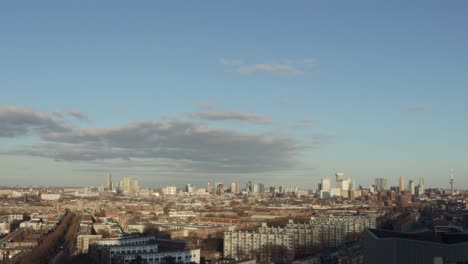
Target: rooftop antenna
x=452, y=181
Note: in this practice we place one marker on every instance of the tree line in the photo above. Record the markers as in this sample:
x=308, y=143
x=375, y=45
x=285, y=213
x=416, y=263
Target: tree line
x=62, y=236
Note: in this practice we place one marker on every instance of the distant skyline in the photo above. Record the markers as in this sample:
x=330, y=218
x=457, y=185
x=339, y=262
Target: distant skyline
x=283, y=93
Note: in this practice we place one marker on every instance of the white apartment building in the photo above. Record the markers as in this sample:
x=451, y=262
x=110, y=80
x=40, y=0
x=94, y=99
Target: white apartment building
x=265, y=246
x=294, y=238
x=129, y=248
x=169, y=190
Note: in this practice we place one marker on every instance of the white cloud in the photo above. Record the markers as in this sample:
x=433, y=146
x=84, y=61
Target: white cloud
x=230, y=62
x=418, y=108
x=303, y=123
x=281, y=69
x=286, y=67
x=207, y=105
x=231, y=115
x=73, y=113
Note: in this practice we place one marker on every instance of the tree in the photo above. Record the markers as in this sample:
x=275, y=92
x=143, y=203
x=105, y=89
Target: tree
x=103, y=233
x=47, y=249
x=101, y=213
x=151, y=229
x=169, y=260
x=138, y=260
x=27, y=232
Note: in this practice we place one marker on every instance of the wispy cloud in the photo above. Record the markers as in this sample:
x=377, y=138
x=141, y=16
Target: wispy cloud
x=418, y=108
x=231, y=115
x=286, y=67
x=303, y=123
x=73, y=113
x=207, y=105
x=280, y=69
x=230, y=62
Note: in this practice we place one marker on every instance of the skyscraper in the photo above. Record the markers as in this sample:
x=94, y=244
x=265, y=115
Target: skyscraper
x=381, y=184
x=135, y=185
x=341, y=182
x=234, y=187
x=261, y=188
x=420, y=189
x=127, y=184
x=452, y=181
x=411, y=187
x=188, y=188
x=256, y=188
x=402, y=184
x=109, y=182
x=130, y=186
x=325, y=184
x=219, y=189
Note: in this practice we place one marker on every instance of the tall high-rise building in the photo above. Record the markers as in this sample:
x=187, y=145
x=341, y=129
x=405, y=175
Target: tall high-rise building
x=130, y=186
x=452, y=181
x=209, y=188
x=412, y=187
x=420, y=189
x=402, y=184
x=381, y=184
x=188, y=188
x=169, y=190
x=219, y=189
x=109, y=182
x=234, y=187
x=249, y=186
x=261, y=188
x=127, y=184
x=135, y=185
x=341, y=182
x=255, y=188
x=325, y=184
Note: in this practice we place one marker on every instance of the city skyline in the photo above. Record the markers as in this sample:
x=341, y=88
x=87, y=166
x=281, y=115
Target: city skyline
x=175, y=94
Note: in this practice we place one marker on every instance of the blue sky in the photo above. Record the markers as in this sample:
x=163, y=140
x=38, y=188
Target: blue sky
x=371, y=88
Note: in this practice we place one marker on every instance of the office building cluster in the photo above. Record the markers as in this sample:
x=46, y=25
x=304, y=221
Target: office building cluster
x=128, y=186
x=343, y=188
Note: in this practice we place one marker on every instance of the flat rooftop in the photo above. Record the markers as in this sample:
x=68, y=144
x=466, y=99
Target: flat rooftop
x=450, y=237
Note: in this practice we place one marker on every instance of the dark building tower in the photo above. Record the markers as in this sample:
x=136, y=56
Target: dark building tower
x=452, y=181
x=109, y=182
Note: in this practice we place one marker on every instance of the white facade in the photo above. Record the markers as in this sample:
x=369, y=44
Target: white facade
x=4, y=228
x=325, y=184
x=169, y=190
x=183, y=256
x=259, y=245
x=84, y=241
x=335, y=192
x=234, y=187
x=124, y=241
x=130, y=248
x=321, y=232
x=51, y=196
